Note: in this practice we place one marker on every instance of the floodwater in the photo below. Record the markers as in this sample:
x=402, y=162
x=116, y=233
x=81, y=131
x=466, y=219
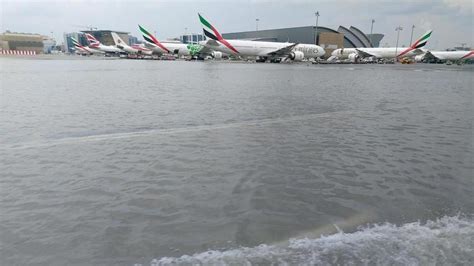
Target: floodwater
x=122, y=162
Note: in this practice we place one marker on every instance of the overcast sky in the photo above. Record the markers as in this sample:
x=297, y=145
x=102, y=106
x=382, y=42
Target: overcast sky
x=451, y=20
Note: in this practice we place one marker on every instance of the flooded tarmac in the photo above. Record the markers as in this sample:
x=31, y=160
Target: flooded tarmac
x=122, y=162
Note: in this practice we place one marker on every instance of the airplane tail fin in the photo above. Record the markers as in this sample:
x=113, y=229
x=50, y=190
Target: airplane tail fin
x=212, y=33
x=92, y=40
x=151, y=39
x=75, y=42
x=422, y=40
x=418, y=43
x=209, y=30
x=78, y=46
x=117, y=40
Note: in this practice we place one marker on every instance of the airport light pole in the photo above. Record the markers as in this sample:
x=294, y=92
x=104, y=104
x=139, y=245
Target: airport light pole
x=371, y=30
x=411, y=36
x=316, y=29
x=398, y=29
x=256, y=24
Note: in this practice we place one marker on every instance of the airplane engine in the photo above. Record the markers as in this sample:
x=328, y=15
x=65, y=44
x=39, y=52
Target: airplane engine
x=296, y=56
x=353, y=57
x=216, y=55
x=419, y=58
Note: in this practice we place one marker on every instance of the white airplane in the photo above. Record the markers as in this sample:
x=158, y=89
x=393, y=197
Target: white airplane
x=445, y=55
x=273, y=51
x=95, y=44
x=355, y=54
x=84, y=49
x=135, y=49
x=175, y=48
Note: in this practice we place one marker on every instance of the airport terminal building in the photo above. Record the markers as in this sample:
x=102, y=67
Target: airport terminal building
x=21, y=42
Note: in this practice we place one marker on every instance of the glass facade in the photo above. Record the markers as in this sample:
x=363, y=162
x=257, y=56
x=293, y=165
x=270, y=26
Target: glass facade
x=105, y=36
x=132, y=40
x=68, y=45
x=191, y=38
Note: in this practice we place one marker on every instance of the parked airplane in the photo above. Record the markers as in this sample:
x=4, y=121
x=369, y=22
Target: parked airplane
x=95, y=44
x=135, y=49
x=445, y=55
x=273, y=51
x=175, y=48
x=84, y=49
x=355, y=54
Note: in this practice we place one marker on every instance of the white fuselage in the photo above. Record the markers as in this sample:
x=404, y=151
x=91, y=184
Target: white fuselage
x=107, y=48
x=126, y=48
x=92, y=50
x=179, y=49
x=452, y=55
x=263, y=49
x=379, y=52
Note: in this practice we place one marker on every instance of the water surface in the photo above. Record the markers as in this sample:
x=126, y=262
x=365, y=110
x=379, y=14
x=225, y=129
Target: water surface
x=117, y=162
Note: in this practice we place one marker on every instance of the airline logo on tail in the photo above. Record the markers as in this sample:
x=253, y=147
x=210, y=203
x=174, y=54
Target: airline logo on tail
x=78, y=46
x=118, y=41
x=92, y=40
x=212, y=33
x=151, y=39
x=422, y=41
x=75, y=42
x=418, y=43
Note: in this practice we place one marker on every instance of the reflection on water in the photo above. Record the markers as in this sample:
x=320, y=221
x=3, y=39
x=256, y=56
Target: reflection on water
x=119, y=162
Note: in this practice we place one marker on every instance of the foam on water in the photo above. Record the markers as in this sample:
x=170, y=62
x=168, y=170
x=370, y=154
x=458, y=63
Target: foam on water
x=449, y=240
x=196, y=128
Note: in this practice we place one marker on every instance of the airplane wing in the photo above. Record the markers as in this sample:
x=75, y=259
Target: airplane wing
x=154, y=48
x=283, y=51
x=429, y=55
x=212, y=42
x=418, y=51
x=149, y=45
x=364, y=54
x=202, y=51
x=205, y=50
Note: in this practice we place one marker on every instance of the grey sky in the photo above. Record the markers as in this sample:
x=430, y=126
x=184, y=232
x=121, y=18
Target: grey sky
x=451, y=20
